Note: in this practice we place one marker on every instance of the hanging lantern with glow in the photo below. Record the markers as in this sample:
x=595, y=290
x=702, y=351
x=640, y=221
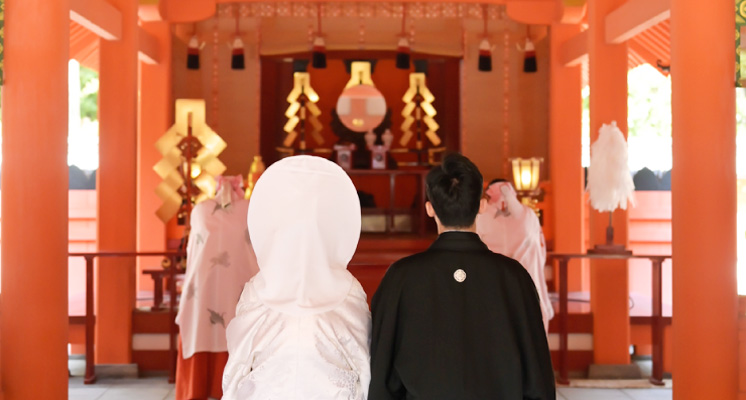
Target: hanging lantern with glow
x=526, y=179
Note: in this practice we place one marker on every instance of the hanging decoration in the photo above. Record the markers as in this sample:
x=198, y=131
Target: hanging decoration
x=529, y=53
x=529, y=56
x=302, y=112
x=403, y=49
x=361, y=107
x=238, y=61
x=318, y=53
x=506, y=93
x=215, y=120
x=190, y=163
x=485, y=48
x=419, y=111
x=366, y=9
x=193, y=49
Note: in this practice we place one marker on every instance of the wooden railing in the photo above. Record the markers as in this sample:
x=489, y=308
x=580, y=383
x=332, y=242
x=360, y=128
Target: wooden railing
x=657, y=321
x=90, y=318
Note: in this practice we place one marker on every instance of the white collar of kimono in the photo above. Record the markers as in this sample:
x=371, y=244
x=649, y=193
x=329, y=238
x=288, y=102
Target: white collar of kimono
x=502, y=199
x=304, y=223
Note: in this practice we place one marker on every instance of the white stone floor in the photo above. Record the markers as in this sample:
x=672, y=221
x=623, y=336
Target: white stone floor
x=159, y=389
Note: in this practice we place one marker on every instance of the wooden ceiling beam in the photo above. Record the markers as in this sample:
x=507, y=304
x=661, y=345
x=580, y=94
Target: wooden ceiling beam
x=634, y=17
x=97, y=16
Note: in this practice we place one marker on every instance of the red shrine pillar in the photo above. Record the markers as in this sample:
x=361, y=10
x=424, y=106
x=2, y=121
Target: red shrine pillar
x=34, y=200
x=117, y=188
x=703, y=185
x=565, y=149
x=609, y=279
x=156, y=116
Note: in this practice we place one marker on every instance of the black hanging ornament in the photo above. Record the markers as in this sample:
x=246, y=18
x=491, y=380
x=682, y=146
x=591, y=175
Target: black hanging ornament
x=318, y=55
x=193, y=53
x=529, y=57
x=485, y=48
x=485, y=56
x=237, y=54
x=318, y=52
x=403, y=54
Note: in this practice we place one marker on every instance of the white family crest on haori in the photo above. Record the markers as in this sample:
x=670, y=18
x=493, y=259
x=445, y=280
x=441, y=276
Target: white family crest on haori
x=220, y=260
x=510, y=228
x=302, y=326
x=609, y=180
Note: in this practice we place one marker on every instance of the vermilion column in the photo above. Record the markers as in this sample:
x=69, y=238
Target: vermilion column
x=34, y=200
x=117, y=188
x=705, y=341
x=156, y=109
x=565, y=149
x=608, y=102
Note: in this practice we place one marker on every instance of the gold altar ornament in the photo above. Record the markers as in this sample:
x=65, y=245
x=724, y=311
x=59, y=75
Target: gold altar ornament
x=360, y=74
x=302, y=111
x=255, y=171
x=418, y=101
x=190, y=150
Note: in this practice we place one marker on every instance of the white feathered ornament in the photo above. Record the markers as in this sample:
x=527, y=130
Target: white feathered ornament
x=609, y=180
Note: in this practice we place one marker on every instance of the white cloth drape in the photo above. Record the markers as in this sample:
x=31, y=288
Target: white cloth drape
x=512, y=229
x=302, y=326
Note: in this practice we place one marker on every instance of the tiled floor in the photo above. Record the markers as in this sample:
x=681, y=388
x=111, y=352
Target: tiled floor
x=159, y=389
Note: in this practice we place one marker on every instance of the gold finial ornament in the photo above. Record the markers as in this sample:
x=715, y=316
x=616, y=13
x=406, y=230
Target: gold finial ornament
x=255, y=171
x=190, y=150
x=418, y=101
x=302, y=111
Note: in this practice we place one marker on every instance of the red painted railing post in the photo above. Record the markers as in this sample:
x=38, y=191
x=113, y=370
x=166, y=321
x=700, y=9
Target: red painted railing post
x=90, y=323
x=657, y=323
x=172, y=319
x=563, y=321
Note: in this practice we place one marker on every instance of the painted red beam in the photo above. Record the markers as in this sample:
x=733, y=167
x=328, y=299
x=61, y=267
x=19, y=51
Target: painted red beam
x=97, y=16
x=634, y=17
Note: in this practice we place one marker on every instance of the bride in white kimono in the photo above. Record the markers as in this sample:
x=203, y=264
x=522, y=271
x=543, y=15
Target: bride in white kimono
x=510, y=228
x=302, y=325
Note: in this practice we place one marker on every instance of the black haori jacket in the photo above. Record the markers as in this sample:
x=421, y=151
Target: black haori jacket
x=458, y=322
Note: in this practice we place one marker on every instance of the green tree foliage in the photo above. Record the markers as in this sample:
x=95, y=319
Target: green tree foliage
x=88, y=93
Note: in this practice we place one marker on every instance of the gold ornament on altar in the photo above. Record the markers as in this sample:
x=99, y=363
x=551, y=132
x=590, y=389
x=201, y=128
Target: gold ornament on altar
x=361, y=107
x=302, y=112
x=255, y=171
x=419, y=111
x=190, y=150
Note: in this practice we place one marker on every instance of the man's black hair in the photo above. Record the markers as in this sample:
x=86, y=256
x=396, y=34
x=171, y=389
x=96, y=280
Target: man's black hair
x=497, y=180
x=454, y=188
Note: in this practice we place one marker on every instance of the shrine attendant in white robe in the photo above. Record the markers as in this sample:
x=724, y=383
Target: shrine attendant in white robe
x=220, y=260
x=510, y=228
x=302, y=326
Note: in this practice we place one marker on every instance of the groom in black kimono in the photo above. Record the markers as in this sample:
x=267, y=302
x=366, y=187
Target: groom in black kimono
x=457, y=321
